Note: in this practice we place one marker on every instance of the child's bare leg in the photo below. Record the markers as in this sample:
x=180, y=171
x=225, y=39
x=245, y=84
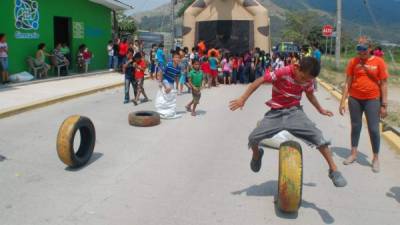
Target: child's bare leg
x=256, y=152
x=189, y=106
x=194, y=109
x=138, y=94
x=180, y=87
x=144, y=94
x=336, y=177
x=326, y=153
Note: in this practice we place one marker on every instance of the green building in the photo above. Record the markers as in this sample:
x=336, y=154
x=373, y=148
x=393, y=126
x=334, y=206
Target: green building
x=27, y=23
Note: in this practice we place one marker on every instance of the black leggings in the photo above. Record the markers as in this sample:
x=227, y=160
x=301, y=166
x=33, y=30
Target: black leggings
x=372, y=110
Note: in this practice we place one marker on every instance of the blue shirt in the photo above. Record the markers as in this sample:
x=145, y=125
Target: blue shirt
x=184, y=65
x=317, y=55
x=171, y=72
x=160, y=56
x=213, y=63
x=129, y=72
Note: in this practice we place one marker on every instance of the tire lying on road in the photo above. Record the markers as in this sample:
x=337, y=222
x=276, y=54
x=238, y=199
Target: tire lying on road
x=144, y=119
x=290, y=181
x=65, y=141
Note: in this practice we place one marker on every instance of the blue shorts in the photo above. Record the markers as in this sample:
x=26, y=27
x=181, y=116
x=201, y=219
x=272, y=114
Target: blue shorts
x=4, y=63
x=160, y=68
x=152, y=68
x=182, y=79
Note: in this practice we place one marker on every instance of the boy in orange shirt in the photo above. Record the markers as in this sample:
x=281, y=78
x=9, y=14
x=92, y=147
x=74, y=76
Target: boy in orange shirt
x=139, y=77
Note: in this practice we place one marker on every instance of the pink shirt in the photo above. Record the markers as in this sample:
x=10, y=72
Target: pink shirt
x=286, y=92
x=227, y=67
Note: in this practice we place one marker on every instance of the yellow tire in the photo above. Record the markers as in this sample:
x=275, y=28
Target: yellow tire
x=65, y=141
x=290, y=182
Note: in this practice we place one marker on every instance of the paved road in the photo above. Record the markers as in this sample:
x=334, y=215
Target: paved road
x=184, y=172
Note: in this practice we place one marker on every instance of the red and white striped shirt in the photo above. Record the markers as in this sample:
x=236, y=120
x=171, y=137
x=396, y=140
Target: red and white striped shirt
x=286, y=92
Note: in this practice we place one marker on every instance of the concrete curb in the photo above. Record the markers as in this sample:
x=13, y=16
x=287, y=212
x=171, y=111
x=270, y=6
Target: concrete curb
x=389, y=136
x=42, y=103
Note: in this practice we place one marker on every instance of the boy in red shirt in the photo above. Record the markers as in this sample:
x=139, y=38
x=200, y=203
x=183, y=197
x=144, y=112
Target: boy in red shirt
x=205, y=68
x=139, y=76
x=235, y=68
x=123, y=51
x=287, y=114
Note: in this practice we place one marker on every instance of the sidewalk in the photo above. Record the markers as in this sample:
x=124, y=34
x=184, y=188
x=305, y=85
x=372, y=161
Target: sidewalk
x=17, y=99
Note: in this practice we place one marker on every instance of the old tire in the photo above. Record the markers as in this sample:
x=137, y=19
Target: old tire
x=144, y=119
x=290, y=181
x=65, y=141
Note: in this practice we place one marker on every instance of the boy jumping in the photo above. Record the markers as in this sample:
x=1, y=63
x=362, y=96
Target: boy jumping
x=195, y=83
x=288, y=84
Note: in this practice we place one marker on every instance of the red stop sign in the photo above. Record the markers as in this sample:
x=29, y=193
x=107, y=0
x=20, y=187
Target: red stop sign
x=327, y=30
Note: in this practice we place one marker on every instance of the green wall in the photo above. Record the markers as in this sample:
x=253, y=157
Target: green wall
x=97, y=30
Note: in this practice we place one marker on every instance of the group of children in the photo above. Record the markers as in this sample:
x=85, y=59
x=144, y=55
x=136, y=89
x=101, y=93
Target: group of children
x=201, y=71
x=134, y=69
x=222, y=66
x=180, y=71
x=3, y=59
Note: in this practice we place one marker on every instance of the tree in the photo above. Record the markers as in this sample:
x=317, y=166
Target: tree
x=126, y=24
x=315, y=36
x=186, y=5
x=302, y=27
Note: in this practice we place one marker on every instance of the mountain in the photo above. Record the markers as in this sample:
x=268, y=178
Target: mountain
x=145, y=5
x=381, y=20
x=385, y=11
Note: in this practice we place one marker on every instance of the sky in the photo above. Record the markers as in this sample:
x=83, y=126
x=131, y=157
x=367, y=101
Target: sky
x=143, y=5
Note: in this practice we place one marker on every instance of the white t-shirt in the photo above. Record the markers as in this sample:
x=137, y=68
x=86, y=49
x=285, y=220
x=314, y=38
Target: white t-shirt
x=279, y=64
x=3, y=54
x=110, y=49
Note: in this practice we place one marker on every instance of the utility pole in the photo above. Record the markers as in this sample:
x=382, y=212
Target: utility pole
x=173, y=22
x=338, y=32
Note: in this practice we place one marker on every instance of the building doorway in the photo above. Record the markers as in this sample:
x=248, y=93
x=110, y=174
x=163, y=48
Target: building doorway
x=62, y=30
x=233, y=35
x=63, y=33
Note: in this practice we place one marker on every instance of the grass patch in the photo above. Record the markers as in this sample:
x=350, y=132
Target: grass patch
x=328, y=63
x=337, y=78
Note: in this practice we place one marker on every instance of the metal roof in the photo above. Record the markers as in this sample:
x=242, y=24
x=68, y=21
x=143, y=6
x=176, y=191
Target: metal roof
x=113, y=4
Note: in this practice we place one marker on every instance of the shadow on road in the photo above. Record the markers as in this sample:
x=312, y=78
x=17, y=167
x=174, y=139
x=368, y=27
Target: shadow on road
x=325, y=215
x=181, y=112
x=362, y=158
x=2, y=158
x=310, y=184
x=201, y=112
x=270, y=188
x=6, y=88
x=394, y=193
x=95, y=157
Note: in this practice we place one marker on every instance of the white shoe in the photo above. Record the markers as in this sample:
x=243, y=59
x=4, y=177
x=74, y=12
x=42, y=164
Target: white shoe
x=111, y=70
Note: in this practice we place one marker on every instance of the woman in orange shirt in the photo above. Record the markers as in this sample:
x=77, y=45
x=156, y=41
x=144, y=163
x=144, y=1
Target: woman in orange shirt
x=366, y=89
